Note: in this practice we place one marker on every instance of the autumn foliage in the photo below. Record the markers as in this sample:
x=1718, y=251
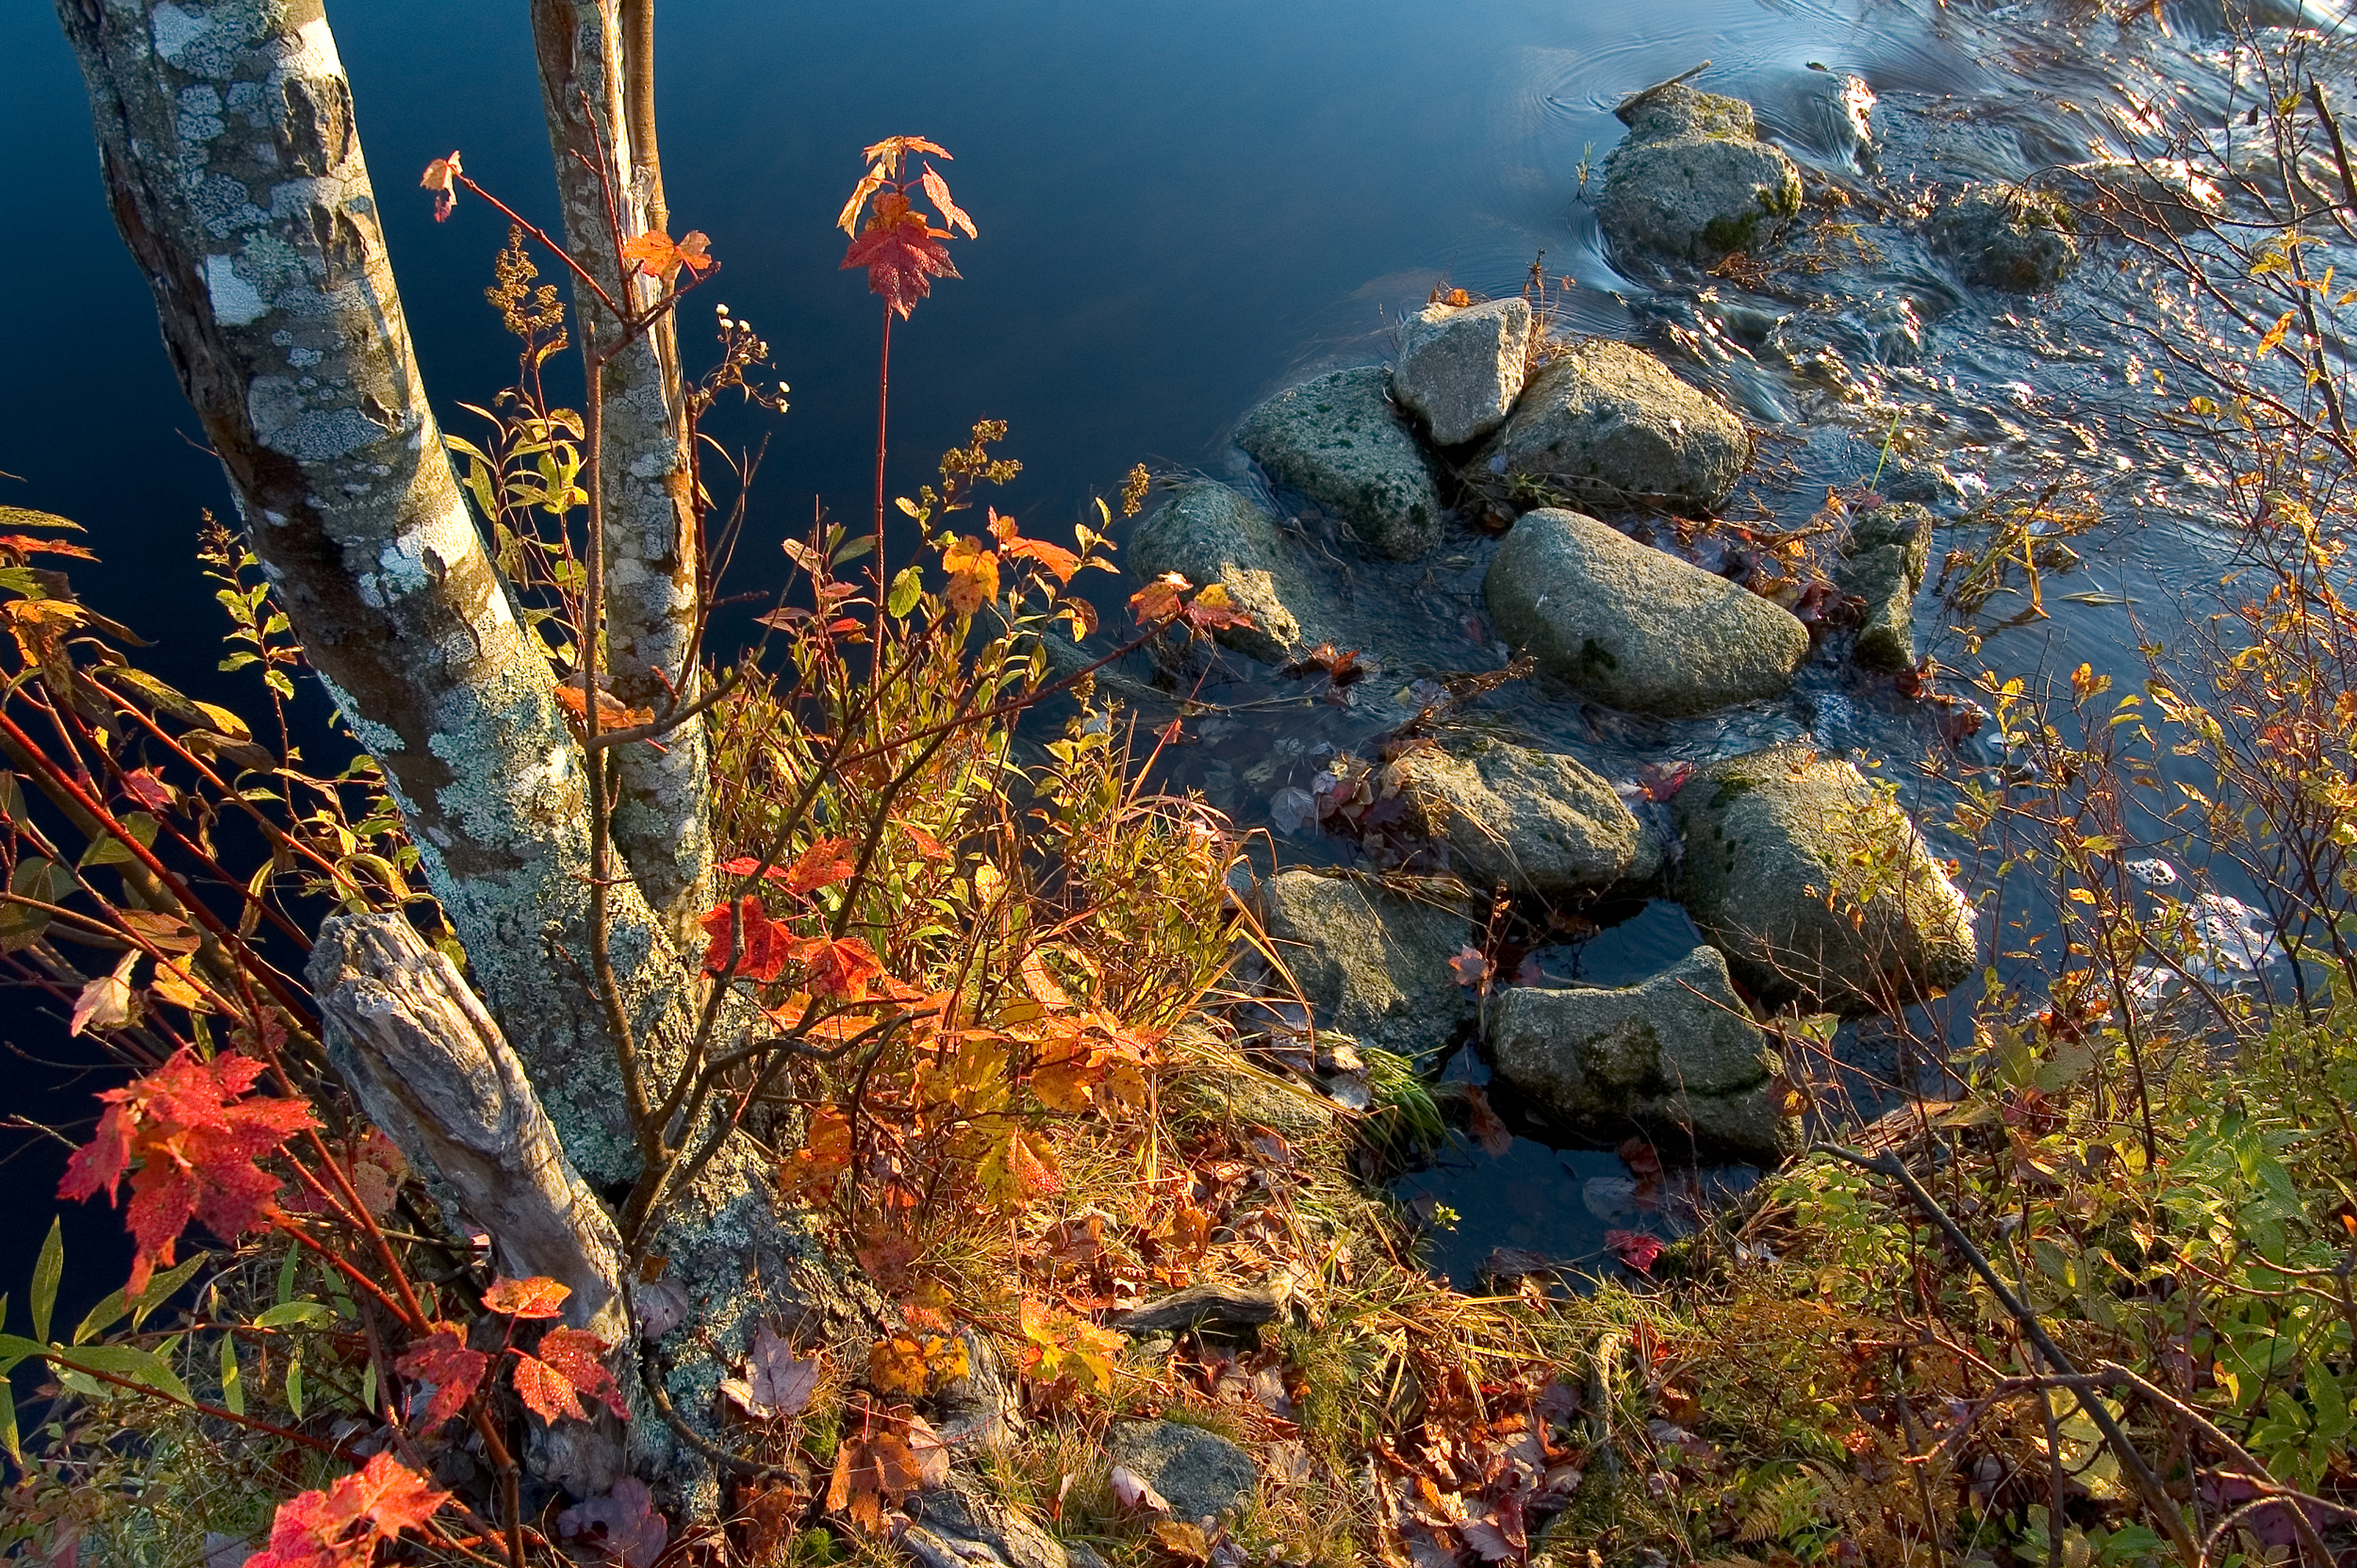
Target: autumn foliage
x=189, y=1137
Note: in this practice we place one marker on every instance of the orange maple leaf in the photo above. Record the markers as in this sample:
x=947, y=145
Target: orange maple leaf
x=901, y=251
x=654, y=255
x=578, y=1355
x=887, y=153
x=538, y=1297
x=839, y=968
x=937, y=190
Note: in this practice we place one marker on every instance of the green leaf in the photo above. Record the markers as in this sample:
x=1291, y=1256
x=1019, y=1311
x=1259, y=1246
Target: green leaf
x=368, y=1387
x=16, y=1348
x=47, y=1271
x=286, y=1275
x=907, y=588
x=8, y=1423
x=288, y=1313
x=163, y=1286
x=110, y=850
x=294, y=1383
x=132, y=1365
x=233, y=1379
x=110, y=1312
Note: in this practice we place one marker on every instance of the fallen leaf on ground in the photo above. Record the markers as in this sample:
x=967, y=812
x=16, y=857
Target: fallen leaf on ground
x=1634, y=1248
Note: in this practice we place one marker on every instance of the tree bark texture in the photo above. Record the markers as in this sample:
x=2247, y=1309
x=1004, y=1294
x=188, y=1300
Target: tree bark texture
x=429, y=1068
x=601, y=113
x=232, y=161
x=233, y=164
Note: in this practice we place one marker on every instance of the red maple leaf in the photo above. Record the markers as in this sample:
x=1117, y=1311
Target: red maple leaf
x=443, y=1360
x=1634, y=1248
x=764, y=947
x=538, y=1297
x=342, y=1524
x=901, y=251
x=193, y=1136
x=578, y=1355
x=839, y=968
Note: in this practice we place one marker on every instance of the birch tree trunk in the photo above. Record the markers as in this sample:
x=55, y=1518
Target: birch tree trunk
x=232, y=161
x=597, y=83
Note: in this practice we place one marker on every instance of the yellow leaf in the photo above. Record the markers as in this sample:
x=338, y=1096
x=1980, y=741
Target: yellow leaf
x=2275, y=334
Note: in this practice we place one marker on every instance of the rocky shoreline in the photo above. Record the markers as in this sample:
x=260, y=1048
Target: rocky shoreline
x=1613, y=592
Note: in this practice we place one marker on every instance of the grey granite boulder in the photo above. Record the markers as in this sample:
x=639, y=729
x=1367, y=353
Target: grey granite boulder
x=2008, y=237
x=1461, y=368
x=1817, y=887
x=1889, y=551
x=1677, y=1050
x=1338, y=441
x=1537, y=821
x=1635, y=627
x=1693, y=181
x=1208, y=533
x=1201, y=1475
x=1373, y=963
x=1610, y=425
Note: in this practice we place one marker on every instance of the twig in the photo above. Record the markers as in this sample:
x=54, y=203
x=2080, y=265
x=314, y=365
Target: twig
x=2157, y=1499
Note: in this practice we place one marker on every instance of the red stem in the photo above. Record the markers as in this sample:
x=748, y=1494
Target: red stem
x=883, y=399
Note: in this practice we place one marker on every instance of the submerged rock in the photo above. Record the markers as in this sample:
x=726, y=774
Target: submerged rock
x=1817, y=887
x=1461, y=368
x=1338, y=441
x=1201, y=1475
x=1889, y=553
x=1207, y=533
x=2008, y=237
x=1679, y=1049
x=1693, y=181
x=1609, y=423
x=1537, y=821
x=1636, y=627
x=1374, y=964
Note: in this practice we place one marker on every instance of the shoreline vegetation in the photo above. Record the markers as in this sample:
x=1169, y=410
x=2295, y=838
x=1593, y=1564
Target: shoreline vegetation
x=998, y=1182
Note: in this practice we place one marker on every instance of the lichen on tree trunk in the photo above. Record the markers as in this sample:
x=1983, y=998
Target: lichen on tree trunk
x=232, y=160
x=652, y=552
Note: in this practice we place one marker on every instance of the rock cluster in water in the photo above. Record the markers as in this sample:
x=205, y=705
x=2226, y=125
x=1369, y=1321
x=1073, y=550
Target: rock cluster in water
x=1693, y=180
x=1809, y=884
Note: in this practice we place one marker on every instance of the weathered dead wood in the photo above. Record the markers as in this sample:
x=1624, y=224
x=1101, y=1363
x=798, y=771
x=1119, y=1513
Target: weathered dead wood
x=431, y=1069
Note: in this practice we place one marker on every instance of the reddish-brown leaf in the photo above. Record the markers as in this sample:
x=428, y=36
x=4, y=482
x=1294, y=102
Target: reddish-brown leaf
x=441, y=177
x=443, y=1360
x=901, y=251
x=1488, y=1128
x=538, y=1297
x=1158, y=601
